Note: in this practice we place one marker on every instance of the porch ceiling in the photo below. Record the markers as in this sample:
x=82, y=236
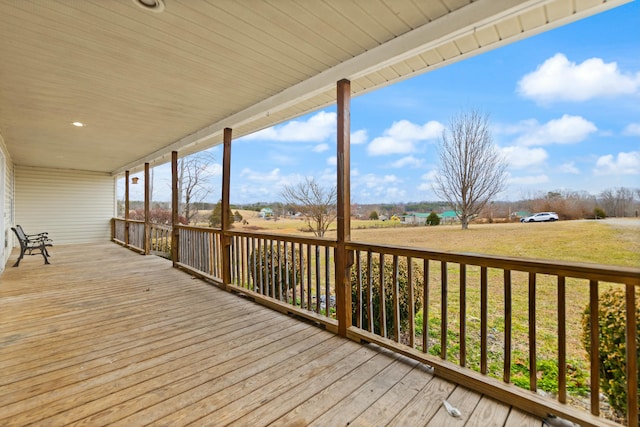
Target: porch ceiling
x=148, y=83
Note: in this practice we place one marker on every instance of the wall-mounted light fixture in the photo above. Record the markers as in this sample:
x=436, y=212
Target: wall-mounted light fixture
x=135, y=180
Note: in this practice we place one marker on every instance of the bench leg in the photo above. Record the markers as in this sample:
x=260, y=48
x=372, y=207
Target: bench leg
x=43, y=251
x=19, y=258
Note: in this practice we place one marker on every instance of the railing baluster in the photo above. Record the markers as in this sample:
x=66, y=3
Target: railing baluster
x=425, y=307
x=318, y=280
x=383, y=310
x=507, y=326
x=295, y=274
x=484, y=306
x=562, y=341
x=309, y=277
x=369, y=291
x=594, y=346
x=412, y=307
x=533, y=356
x=272, y=269
x=286, y=271
x=396, y=300
x=280, y=272
x=444, y=279
x=327, y=282
x=255, y=258
x=632, y=358
x=358, y=303
x=463, y=314
x=302, y=275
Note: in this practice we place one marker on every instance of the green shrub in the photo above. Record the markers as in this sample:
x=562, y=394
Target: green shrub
x=373, y=215
x=273, y=269
x=611, y=324
x=433, y=219
x=403, y=296
x=599, y=213
x=215, y=219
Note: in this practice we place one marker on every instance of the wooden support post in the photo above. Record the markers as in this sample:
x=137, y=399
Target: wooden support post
x=226, y=220
x=175, y=233
x=126, y=208
x=147, y=220
x=343, y=260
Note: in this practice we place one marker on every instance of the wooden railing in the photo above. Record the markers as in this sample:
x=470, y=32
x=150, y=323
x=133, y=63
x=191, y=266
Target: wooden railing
x=469, y=319
x=200, y=251
x=131, y=233
x=296, y=272
x=487, y=322
x=160, y=240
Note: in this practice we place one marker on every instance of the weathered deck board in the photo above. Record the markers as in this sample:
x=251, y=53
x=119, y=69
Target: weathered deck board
x=106, y=336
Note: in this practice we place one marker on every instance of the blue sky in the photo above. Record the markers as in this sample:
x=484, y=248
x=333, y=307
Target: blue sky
x=564, y=109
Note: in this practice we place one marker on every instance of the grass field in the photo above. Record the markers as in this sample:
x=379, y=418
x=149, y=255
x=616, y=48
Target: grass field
x=611, y=241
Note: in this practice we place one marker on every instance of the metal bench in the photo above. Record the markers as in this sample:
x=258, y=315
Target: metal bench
x=32, y=244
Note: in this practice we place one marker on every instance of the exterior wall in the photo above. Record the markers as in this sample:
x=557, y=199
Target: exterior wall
x=6, y=204
x=72, y=206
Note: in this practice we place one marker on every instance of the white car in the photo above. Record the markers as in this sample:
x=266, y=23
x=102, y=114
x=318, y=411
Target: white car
x=541, y=217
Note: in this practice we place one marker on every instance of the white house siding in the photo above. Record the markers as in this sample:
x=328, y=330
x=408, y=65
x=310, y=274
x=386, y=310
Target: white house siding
x=6, y=204
x=72, y=206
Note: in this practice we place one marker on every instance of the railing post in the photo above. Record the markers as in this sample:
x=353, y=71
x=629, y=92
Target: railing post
x=175, y=233
x=226, y=220
x=147, y=201
x=126, y=208
x=343, y=259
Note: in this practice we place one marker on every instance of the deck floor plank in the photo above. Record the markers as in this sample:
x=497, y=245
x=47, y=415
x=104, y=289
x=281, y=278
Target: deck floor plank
x=489, y=413
x=120, y=339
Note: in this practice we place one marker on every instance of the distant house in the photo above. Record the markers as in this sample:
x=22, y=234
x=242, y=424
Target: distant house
x=415, y=218
x=447, y=217
x=265, y=213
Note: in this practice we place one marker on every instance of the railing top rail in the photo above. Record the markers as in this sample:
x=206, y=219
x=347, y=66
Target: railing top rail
x=320, y=241
x=198, y=228
x=137, y=221
x=581, y=270
x=161, y=226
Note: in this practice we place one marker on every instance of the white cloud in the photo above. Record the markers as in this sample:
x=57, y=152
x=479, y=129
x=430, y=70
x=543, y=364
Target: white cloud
x=319, y=128
x=332, y=161
x=408, y=161
x=430, y=176
x=214, y=169
x=529, y=180
x=522, y=157
x=402, y=137
x=632, y=129
x=559, y=79
x=371, y=180
x=622, y=164
x=359, y=137
x=565, y=130
x=320, y=148
x=251, y=175
x=569, y=167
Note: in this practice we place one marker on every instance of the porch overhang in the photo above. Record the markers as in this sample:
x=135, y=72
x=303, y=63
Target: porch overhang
x=146, y=84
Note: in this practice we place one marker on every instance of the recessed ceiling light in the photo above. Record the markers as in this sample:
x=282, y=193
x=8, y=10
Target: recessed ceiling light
x=78, y=124
x=152, y=5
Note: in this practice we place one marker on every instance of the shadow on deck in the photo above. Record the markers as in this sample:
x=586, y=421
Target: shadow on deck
x=105, y=336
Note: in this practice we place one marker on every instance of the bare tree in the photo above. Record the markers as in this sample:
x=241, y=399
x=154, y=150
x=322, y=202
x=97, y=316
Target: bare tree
x=194, y=182
x=318, y=205
x=472, y=171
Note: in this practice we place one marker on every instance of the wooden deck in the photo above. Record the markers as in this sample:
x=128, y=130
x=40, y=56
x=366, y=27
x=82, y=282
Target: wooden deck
x=106, y=336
